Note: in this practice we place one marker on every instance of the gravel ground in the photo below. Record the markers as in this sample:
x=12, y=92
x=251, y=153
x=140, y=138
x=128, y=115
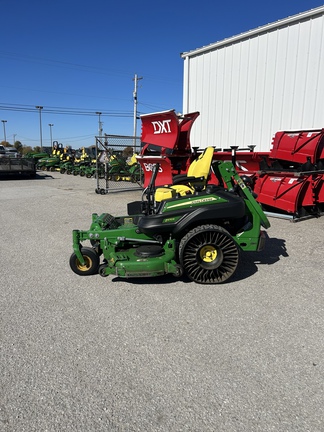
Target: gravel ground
x=105, y=354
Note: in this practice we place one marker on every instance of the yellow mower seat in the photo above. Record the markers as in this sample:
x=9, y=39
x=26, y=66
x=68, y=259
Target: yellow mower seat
x=196, y=178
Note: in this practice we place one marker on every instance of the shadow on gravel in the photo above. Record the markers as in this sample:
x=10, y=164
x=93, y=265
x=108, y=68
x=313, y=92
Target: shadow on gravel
x=158, y=280
x=274, y=249
x=43, y=176
x=248, y=265
x=6, y=177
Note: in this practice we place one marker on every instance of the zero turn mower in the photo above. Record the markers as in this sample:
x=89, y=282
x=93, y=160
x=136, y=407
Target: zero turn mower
x=199, y=231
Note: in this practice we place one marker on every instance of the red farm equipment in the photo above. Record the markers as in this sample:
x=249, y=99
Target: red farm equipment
x=288, y=180
x=166, y=141
x=291, y=180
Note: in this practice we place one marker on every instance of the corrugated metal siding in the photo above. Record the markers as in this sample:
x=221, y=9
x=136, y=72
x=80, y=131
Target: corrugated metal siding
x=249, y=89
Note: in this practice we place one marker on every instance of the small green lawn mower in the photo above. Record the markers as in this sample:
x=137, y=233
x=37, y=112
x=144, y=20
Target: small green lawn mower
x=199, y=234
x=66, y=167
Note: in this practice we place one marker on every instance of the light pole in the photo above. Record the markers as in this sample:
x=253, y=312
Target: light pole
x=4, y=129
x=14, y=138
x=40, y=126
x=50, y=125
x=100, y=124
x=136, y=79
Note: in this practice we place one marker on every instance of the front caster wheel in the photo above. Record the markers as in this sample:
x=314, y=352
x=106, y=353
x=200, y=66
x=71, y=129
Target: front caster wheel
x=208, y=254
x=102, y=270
x=178, y=272
x=91, y=265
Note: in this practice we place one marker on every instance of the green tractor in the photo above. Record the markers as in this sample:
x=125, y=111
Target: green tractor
x=121, y=169
x=66, y=167
x=197, y=231
x=36, y=155
x=91, y=170
x=49, y=162
x=80, y=168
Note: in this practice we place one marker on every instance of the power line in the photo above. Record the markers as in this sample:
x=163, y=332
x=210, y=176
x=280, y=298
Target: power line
x=81, y=67
x=58, y=63
x=64, y=138
x=65, y=93
x=64, y=110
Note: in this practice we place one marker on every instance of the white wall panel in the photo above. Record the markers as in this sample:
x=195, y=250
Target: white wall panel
x=251, y=86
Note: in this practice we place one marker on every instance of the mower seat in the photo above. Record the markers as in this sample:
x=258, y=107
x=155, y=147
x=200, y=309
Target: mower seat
x=195, y=179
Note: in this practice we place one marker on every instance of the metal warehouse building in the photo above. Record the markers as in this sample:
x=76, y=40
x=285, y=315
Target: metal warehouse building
x=252, y=85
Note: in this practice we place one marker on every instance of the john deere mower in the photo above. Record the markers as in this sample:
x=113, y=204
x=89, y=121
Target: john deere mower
x=193, y=228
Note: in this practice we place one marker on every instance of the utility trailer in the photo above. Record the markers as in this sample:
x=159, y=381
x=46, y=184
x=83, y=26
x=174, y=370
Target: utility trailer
x=17, y=167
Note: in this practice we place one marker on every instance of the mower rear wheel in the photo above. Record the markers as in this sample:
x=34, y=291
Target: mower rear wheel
x=208, y=254
x=91, y=265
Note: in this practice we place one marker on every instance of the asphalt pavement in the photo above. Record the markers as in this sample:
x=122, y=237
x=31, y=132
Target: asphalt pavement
x=160, y=354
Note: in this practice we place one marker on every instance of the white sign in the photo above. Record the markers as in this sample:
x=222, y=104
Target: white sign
x=161, y=127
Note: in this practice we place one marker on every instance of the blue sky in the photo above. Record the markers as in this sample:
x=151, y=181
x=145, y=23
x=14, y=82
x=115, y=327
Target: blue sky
x=76, y=58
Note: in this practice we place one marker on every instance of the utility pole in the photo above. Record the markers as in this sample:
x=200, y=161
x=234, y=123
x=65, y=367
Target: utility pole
x=4, y=130
x=51, y=137
x=99, y=124
x=40, y=126
x=135, y=79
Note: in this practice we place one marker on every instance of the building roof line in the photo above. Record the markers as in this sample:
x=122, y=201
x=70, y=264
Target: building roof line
x=262, y=29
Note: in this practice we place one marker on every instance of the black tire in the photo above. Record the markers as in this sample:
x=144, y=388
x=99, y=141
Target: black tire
x=208, y=254
x=102, y=270
x=91, y=262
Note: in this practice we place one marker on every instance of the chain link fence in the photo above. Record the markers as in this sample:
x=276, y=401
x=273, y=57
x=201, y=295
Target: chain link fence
x=117, y=168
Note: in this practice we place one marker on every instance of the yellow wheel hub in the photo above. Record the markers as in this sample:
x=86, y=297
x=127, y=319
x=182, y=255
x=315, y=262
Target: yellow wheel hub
x=208, y=253
x=87, y=264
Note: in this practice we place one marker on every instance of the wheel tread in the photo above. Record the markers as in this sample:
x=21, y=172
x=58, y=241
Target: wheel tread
x=227, y=251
